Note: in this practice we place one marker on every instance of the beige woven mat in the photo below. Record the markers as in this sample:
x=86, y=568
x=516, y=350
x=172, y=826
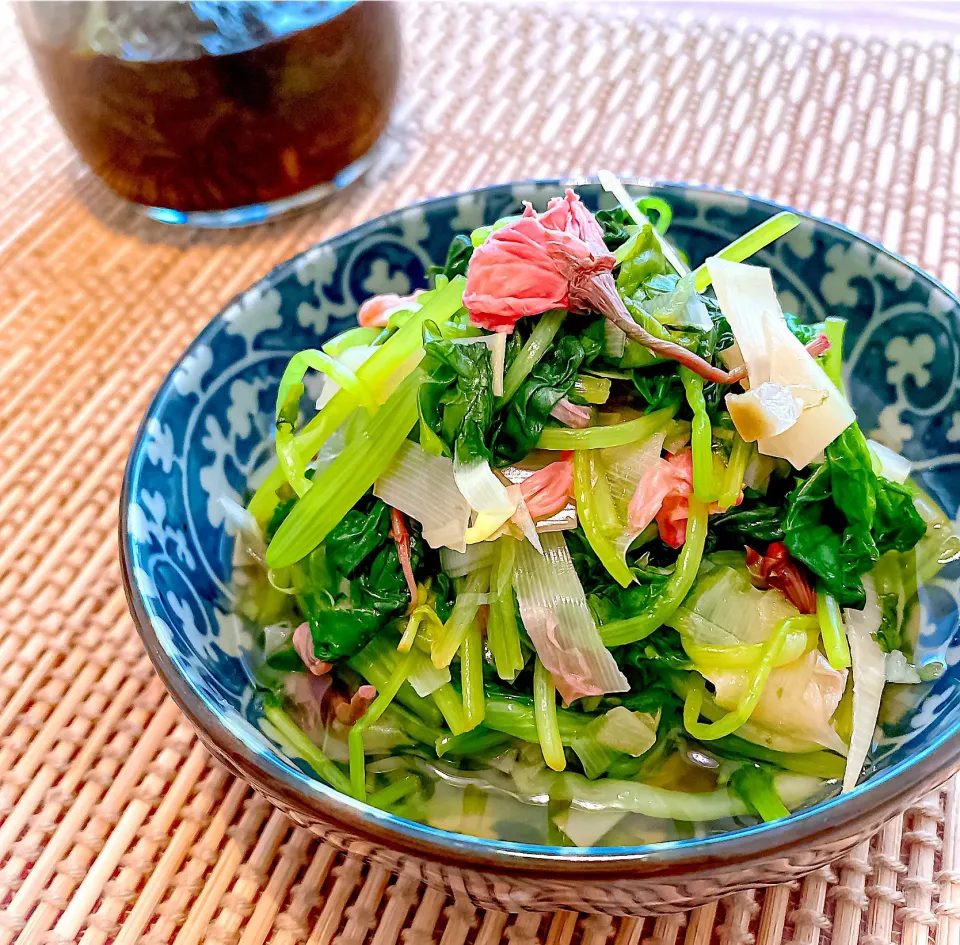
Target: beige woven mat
x=114, y=824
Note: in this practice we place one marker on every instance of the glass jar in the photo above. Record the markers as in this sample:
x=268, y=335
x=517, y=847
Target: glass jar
x=218, y=114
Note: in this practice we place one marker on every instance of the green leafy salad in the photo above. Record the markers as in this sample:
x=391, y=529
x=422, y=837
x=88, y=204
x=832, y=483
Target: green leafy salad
x=581, y=545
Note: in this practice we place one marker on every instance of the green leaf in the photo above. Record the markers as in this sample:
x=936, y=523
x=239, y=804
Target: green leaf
x=344, y=618
x=458, y=258
x=522, y=419
x=456, y=398
x=844, y=517
x=752, y=521
x=361, y=531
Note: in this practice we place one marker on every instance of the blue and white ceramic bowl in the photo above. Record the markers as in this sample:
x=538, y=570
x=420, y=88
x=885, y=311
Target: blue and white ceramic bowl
x=208, y=431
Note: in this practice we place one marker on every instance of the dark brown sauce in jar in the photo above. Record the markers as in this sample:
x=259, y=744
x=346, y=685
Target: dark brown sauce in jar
x=214, y=106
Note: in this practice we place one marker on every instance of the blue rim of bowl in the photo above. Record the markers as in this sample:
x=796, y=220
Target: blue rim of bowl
x=838, y=816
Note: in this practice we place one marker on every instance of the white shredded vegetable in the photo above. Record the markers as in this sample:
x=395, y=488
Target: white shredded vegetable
x=869, y=675
x=239, y=522
x=422, y=486
x=773, y=354
x=486, y=495
x=275, y=637
x=633, y=733
x=524, y=519
x=625, y=467
x=898, y=669
x=891, y=465
x=615, y=340
x=426, y=678
x=586, y=827
x=473, y=558
x=556, y=616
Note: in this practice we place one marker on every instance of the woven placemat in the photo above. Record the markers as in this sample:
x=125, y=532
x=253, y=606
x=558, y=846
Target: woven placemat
x=115, y=826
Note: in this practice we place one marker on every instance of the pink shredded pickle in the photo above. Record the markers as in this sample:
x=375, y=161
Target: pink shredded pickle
x=571, y=414
x=376, y=311
x=663, y=495
x=548, y=490
x=400, y=535
x=350, y=712
x=303, y=644
x=571, y=674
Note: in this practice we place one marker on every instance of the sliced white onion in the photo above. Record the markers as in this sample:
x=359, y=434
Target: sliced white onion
x=473, y=558
x=633, y=733
x=625, y=466
x=426, y=678
x=677, y=436
x=772, y=352
x=486, y=495
x=275, y=637
x=893, y=466
x=586, y=827
x=759, y=469
x=556, y=616
x=615, y=340
x=681, y=308
x=571, y=414
x=240, y=523
x=869, y=675
x=898, y=669
x=422, y=486
x=524, y=519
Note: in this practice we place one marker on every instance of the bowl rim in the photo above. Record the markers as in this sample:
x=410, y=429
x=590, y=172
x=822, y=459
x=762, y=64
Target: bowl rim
x=842, y=815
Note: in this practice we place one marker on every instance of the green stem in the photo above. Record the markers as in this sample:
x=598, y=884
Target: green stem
x=751, y=242
x=389, y=795
x=464, y=613
x=707, y=731
x=343, y=483
x=372, y=375
x=834, y=328
x=503, y=634
x=340, y=374
x=701, y=437
x=537, y=345
x=447, y=700
x=306, y=749
x=471, y=676
x=516, y=717
x=631, y=629
x=732, y=483
x=358, y=776
x=585, y=477
x=612, y=185
x=831, y=631
x=376, y=663
x=545, y=715
x=595, y=438
x=468, y=744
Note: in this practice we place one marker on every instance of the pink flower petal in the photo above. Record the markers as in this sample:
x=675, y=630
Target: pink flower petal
x=571, y=414
x=303, y=644
x=548, y=490
x=376, y=311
